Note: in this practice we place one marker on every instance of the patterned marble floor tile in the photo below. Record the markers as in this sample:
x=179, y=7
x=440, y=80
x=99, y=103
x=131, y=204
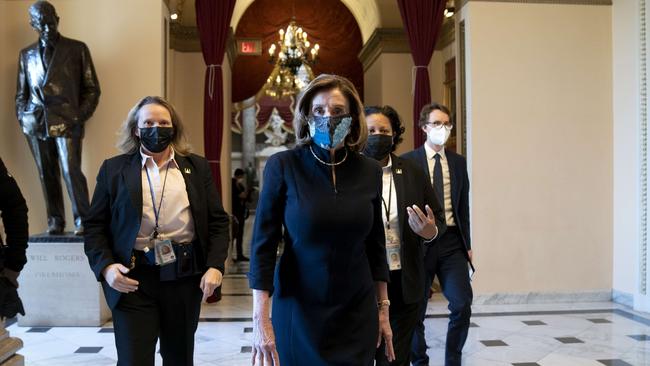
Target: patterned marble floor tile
x=227, y=326
x=555, y=359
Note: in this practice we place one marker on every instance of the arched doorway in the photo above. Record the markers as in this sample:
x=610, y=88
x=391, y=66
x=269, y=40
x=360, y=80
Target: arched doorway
x=332, y=25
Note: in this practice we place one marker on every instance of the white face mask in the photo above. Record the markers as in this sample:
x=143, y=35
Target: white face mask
x=438, y=136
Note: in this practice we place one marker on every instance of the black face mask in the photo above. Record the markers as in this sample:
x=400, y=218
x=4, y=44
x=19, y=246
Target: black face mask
x=378, y=146
x=156, y=139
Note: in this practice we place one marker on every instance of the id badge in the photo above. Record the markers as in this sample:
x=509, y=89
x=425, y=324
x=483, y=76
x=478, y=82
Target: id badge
x=164, y=252
x=393, y=250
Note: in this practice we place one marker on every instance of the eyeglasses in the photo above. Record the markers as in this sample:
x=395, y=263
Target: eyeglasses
x=438, y=125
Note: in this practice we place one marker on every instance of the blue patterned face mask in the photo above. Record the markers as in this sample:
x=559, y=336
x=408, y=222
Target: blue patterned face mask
x=329, y=132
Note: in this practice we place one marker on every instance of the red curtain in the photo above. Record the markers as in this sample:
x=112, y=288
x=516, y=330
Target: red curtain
x=213, y=22
x=266, y=106
x=422, y=21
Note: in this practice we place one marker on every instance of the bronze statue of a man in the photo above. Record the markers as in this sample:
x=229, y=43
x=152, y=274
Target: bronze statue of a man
x=57, y=93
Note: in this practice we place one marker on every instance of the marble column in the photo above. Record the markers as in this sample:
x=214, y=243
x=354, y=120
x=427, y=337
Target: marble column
x=642, y=42
x=248, y=133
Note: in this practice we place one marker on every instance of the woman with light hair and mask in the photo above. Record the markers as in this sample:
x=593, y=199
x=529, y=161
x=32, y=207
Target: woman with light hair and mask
x=330, y=301
x=156, y=237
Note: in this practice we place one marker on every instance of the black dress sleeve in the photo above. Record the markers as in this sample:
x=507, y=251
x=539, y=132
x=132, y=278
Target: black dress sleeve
x=218, y=224
x=98, y=240
x=376, y=240
x=268, y=226
x=14, y=219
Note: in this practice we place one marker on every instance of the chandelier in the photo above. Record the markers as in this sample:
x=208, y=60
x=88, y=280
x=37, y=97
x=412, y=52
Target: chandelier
x=282, y=83
x=294, y=51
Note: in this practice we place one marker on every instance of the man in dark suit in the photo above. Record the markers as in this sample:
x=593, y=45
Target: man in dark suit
x=57, y=92
x=448, y=258
x=413, y=218
x=155, y=199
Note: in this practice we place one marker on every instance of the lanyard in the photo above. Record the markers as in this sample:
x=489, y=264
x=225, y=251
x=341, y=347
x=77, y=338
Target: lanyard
x=153, y=200
x=390, y=200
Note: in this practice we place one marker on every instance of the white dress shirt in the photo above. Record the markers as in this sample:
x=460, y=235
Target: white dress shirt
x=446, y=180
x=388, y=193
x=391, y=221
x=175, y=218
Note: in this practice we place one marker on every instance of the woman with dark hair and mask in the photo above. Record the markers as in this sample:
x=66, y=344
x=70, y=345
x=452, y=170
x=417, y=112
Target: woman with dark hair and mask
x=156, y=237
x=330, y=300
x=407, y=197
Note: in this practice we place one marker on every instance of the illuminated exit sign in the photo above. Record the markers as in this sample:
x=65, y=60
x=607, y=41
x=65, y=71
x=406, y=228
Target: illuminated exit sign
x=249, y=46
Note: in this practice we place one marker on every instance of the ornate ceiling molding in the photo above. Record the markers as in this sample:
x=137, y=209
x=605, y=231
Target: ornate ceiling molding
x=394, y=40
x=447, y=34
x=186, y=39
x=383, y=40
x=551, y=2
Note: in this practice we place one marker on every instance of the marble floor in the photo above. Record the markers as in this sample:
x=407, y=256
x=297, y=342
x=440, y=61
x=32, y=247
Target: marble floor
x=576, y=334
x=562, y=334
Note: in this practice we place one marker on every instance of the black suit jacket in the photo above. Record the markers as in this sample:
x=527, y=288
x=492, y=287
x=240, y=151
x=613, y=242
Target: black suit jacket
x=113, y=222
x=413, y=188
x=56, y=100
x=13, y=209
x=459, y=187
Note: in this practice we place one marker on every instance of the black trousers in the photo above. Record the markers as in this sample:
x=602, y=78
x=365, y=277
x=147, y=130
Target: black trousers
x=166, y=310
x=446, y=259
x=403, y=319
x=53, y=155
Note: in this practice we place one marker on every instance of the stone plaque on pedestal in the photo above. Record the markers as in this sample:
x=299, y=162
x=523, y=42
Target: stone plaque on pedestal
x=57, y=286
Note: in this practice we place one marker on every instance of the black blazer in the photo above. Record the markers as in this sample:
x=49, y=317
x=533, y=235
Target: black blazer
x=459, y=187
x=56, y=100
x=413, y=188
x=13, y=209
x=113, y=222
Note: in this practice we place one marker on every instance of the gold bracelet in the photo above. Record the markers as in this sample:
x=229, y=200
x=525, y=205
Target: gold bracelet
x=383, y=303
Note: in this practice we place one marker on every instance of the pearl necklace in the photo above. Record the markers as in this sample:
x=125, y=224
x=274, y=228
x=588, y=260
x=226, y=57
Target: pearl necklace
x=326, y=163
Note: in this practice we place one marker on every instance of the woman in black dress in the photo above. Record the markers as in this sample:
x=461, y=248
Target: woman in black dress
x=330, y=301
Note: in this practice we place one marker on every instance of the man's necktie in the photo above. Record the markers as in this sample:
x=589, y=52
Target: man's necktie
x=47, y=55
x=438, y=184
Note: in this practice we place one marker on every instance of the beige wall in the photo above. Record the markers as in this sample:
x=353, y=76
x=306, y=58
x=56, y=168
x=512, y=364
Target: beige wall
x=186, y=93
x=389, y=14
x=126, y=48
x=437, y=71
x=372, y=79
x=626, y=145
x=540, y=142
x=388, y=81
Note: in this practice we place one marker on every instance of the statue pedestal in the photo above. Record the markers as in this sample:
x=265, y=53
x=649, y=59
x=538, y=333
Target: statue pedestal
x=57, y=286
x=8, y=348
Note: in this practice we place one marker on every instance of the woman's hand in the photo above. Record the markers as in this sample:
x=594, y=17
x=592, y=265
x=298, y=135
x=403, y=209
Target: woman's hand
x=115, y=275
x=421, y=224
x=264, y=351
x=210, y=281
x=386, y=333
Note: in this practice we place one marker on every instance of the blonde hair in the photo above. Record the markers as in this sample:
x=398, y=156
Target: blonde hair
x=129, y=143
x=356, y=139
